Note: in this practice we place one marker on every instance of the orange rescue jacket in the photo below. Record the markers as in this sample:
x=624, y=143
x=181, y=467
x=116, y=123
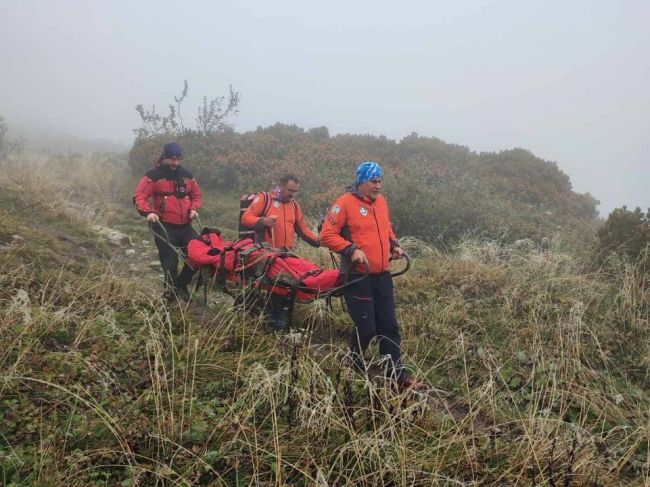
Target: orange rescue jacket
x=356, y=222
x=290, y=220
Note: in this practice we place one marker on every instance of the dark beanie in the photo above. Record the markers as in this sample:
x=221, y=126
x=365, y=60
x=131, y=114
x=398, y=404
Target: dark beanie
x=172, y=150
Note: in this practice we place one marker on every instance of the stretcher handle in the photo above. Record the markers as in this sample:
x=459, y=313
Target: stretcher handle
x=198, y=221
x=348, y=283
x=164, y=236
x=406, y=268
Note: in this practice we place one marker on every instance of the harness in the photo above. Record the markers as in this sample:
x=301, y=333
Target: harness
x=180, y=192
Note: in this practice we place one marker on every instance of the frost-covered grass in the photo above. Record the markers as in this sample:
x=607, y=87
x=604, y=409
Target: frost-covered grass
x=532, y=365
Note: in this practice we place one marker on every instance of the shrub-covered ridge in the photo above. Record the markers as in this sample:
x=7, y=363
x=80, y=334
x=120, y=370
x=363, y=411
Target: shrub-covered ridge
x=439, y=192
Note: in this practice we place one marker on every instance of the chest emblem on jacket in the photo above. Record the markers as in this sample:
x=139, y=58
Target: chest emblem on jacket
x=276, y=204
x=363, y=210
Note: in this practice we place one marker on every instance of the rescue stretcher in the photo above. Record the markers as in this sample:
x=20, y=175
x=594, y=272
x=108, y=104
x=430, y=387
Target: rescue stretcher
x=243, y=265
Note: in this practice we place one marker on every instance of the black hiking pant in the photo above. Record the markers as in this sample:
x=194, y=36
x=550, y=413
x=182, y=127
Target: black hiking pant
x=371, y=304
x=179, y=236
x=275, y=308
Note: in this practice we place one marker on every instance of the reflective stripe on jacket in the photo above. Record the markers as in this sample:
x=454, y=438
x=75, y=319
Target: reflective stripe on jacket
x=290, y=220
x=356, y=222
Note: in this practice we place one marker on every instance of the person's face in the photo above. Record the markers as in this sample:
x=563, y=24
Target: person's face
x=289, y=189
x=370, y=189
x=172, y=162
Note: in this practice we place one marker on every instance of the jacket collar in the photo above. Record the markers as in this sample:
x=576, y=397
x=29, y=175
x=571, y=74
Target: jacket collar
x=276, y=194
x=353, y=190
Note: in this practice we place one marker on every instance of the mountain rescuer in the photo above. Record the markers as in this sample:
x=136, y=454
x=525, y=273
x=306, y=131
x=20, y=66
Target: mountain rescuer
x=276, y=216
x=176, y=201
x=358, y=227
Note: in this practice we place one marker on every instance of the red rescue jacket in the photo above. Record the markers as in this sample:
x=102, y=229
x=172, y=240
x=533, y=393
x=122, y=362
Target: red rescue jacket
x=290, y=220
x=356, y=222
x=174, y=194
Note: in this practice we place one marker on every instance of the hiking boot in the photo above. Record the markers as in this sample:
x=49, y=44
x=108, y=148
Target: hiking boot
x=168, y=296
x=405, y=381
x=277, y=326
x=358, y=365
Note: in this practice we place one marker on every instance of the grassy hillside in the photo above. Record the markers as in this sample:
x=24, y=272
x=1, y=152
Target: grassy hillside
x=533, y=364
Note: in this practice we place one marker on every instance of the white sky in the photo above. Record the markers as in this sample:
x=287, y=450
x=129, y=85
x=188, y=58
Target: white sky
x=569, y=81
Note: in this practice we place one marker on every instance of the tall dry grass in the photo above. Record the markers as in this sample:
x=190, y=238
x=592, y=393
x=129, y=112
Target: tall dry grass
x=532, y=367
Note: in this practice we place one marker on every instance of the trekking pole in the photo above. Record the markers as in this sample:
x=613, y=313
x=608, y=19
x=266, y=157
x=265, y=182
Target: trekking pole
x=335, y=264
x=272, y=237
x=198, y=220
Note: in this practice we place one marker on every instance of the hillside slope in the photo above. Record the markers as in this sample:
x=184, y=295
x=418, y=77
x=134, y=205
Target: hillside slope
x=533, y=367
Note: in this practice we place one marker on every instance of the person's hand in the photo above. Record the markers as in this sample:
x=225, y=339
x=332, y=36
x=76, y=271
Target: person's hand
x=359, y=257
x=193, y=214
x=152, y=218
x=397, y=253
x=270, y=221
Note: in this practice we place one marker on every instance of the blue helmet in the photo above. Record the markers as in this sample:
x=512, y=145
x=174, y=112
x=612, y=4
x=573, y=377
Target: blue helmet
x=368, y=170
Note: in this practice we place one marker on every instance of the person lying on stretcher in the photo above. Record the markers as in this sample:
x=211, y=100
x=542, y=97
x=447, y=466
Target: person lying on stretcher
x=244, y=262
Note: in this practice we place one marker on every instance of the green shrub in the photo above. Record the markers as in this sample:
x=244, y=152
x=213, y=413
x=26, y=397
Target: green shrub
x=626, y=233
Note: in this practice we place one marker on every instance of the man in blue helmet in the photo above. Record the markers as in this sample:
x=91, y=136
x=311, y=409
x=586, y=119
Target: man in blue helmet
x=358, y=227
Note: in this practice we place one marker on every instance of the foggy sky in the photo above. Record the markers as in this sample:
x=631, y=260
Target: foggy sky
x=569, y=81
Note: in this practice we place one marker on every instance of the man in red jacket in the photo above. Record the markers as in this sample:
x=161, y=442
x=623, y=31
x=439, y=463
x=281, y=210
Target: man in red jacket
x=176, y=200
x=358, y=227
x=276, y=217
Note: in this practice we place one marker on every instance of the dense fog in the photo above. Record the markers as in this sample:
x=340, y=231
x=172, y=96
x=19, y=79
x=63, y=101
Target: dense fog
x=566, y=81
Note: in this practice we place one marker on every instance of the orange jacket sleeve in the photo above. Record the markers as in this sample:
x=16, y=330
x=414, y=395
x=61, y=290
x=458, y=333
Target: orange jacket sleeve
x=303, y=230
x=251, y=216
x=330, y=235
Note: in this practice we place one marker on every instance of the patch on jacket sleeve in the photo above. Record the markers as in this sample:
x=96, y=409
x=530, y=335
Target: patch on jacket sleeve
x=332, y=214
